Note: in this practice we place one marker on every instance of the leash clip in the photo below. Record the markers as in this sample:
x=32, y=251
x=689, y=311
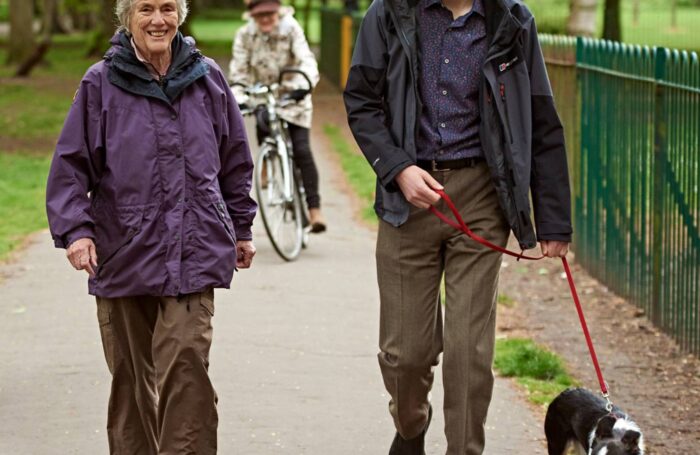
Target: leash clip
x=609, y=404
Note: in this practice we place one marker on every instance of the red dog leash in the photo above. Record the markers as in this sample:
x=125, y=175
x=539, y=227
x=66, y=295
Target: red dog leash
x=462, y=226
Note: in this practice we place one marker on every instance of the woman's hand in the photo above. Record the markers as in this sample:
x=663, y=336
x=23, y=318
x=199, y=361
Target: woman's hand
x=83, y=255
x=245, y=251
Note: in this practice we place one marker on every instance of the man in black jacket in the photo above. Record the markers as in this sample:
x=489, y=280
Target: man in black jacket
x=452, y=95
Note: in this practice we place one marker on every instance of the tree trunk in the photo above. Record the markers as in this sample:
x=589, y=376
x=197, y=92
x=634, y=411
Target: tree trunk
x=105, y=29
x=34, y=58
x=51, y=19
x=635, y=12
x=582, y=17
x=307, y=18
x=612, y=30
x=21, y=42
x=674, y=14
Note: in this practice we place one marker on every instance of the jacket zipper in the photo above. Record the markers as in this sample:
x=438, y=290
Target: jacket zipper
x=506, y=121
x=222, y=217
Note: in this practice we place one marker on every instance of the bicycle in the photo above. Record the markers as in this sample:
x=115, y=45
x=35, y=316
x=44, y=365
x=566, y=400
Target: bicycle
x=278, y=185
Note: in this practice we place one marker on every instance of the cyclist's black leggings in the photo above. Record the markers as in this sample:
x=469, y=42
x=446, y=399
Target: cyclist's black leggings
x=305, y=162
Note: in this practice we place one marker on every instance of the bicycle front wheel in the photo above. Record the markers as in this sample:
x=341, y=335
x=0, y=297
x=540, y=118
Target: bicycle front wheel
x=281, y=214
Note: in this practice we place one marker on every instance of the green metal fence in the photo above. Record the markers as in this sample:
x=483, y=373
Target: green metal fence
x=632, y=120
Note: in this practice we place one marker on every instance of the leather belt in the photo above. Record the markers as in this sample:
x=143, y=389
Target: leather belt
x=448, y=165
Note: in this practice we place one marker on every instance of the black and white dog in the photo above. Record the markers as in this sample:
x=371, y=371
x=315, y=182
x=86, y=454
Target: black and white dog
x=579, y=417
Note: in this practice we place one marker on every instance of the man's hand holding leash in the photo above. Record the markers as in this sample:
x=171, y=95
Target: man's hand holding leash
x=418, y=187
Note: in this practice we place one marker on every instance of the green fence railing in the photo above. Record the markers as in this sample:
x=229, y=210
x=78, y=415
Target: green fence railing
x=634, y=144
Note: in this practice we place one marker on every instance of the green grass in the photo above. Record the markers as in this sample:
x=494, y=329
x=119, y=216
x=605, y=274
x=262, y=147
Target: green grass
x=220, y=26
x=39, y=116
x=22, y=182
x=32, y=112
x=538, y=370
x=359, y=174
x=654, y=28
x=216, y=30
x=506, y=301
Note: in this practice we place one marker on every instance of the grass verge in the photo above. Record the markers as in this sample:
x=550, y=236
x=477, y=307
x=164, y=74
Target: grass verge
x=358, y=172
x=536, y=369
x=22, y=194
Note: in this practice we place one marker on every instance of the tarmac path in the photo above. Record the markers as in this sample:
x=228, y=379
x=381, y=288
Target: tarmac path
x=293, y=358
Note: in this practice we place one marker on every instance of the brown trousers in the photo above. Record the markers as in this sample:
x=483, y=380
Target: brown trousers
x=157, y=349
x=411, y=261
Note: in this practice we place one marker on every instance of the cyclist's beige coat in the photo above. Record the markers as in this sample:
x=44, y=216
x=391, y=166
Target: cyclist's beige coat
x=259, y=57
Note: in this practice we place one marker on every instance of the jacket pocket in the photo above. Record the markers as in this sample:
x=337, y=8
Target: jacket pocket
x=116, y=232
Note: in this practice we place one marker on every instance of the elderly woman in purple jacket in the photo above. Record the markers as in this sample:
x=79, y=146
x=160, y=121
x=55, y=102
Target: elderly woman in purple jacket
x=149, y=193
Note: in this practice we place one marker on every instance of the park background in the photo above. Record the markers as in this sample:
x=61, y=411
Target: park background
x=54, y=41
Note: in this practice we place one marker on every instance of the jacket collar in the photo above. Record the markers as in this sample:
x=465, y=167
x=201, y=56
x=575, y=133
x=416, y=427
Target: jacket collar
x=501, y=26
x=129, y=73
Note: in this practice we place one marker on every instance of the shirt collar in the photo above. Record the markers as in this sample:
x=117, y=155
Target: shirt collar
x=151, y=69
x=477, y=6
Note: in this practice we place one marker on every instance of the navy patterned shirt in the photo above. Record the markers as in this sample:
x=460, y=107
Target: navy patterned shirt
x=452, y=55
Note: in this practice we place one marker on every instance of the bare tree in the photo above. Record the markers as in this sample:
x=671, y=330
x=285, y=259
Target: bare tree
x=21, y=42
x=612, y=30
x=307, y=17
x=186, y=27
x=105, y=29
x=582, y=17
x=51, y=22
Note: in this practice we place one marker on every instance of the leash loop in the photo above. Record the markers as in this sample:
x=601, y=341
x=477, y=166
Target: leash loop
x=460, y=225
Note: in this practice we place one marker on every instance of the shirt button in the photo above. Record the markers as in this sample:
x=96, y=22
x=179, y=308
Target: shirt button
x=447, y=60
x=173, y=117
x=442, y=125
x=444, y=92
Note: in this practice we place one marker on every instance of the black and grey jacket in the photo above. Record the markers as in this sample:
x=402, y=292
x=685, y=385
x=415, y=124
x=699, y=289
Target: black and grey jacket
x=521, y=135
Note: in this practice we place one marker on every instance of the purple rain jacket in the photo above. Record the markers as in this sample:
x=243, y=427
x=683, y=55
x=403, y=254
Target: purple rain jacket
x=158, y=173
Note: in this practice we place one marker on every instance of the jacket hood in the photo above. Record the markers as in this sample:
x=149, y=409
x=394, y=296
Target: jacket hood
x=129, y=73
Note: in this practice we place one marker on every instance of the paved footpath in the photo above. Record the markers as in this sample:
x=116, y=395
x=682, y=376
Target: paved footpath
x=293, y=359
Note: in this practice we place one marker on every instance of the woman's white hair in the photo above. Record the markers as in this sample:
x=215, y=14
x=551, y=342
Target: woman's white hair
x=123, y=12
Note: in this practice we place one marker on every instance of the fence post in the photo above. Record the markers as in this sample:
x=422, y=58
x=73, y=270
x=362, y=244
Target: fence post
x=345, y=48
x=658, y=190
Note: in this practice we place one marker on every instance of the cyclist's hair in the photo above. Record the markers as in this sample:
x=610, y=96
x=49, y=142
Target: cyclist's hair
x=123, y=12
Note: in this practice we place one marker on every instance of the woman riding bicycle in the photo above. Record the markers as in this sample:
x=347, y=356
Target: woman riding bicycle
x=270, y=41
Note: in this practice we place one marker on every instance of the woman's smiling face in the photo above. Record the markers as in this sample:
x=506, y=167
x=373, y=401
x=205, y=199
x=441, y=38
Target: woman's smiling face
x=153, y=24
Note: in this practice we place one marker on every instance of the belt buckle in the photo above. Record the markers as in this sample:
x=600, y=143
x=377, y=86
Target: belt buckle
x=434, y=167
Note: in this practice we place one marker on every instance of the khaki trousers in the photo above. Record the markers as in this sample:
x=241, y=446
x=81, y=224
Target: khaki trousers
x=157, y=349
x=411, y=260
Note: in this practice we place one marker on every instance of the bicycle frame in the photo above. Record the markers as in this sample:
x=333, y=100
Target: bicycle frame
x=278, y=135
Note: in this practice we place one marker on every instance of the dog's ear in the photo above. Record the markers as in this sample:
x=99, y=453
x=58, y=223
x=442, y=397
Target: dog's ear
x=604, y=430
x=631, y=439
